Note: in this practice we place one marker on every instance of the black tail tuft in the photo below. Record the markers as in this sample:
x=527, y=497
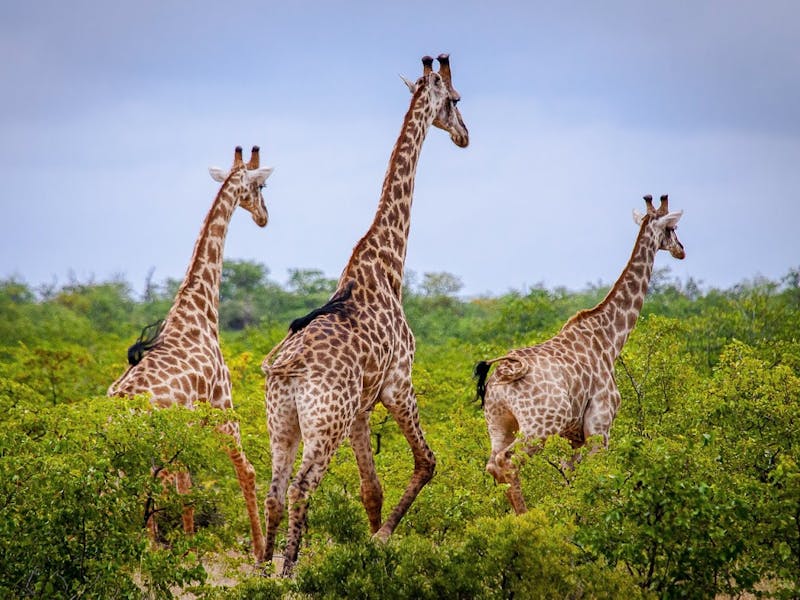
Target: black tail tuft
x=146, y=342
x=337, y=304
x=480, y=373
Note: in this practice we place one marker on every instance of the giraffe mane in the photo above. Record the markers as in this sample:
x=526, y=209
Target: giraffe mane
x=147, y=340
x=336, y=305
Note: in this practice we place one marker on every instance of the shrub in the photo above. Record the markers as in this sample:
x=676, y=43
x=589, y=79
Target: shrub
x=511, y=557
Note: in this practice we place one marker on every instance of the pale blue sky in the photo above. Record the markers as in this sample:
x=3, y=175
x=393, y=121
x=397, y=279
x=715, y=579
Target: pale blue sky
x=110, y=114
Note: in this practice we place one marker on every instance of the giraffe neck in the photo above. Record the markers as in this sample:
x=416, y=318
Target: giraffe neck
x=615, y=317
x=379, y=257
x=199, y=292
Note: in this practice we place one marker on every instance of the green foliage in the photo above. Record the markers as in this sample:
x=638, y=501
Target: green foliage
x=698, y=494
x=754, y=411
x=440, y=285
x=76, y=479
x=665, y=511
x=58, y=372
x=106, y=305
x=254, y=588
x=656, y=375
x=525, y=557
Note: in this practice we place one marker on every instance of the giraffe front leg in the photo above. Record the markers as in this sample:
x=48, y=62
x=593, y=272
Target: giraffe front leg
x=246, y=475
x=166, y=477
x=402, y=405
x=599, y=415
x=371, y=492
x=183, y=483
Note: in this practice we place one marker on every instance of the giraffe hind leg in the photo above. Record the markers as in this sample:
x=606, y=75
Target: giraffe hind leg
x=371, y=492
x=284, y=440
x=316, y=458
x=502, y=464
x=406, y=414
x=283, y=453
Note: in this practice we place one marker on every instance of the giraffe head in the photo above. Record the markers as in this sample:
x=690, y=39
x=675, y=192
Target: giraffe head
x=245, y=182
x=442, y=97
x=663, y=224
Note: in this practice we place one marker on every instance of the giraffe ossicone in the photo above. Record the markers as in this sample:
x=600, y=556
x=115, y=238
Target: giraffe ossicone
x=182, y=363
x=341, y=360
x=565, y=386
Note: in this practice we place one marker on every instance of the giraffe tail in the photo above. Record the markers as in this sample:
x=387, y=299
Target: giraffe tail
x=266, y=363
x=480, y=373
x=512, y=369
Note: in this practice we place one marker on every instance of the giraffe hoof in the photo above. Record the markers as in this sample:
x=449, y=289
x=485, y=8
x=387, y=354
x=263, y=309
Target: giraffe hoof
x=382, y=535
x=287, y=568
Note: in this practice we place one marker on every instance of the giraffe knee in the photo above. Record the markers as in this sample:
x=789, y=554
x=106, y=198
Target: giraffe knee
x=296, y=496
x=183, y=482
x=247, y=470
x=274, y=508
x=426, y=466
x=503, y=461
x=502, y=466
x=494, y=471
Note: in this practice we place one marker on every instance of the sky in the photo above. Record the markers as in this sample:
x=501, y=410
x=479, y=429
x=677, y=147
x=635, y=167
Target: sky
x=111, y=113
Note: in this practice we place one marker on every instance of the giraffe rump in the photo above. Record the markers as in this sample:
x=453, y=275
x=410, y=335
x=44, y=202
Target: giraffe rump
x=336, y=305
x=147, y=340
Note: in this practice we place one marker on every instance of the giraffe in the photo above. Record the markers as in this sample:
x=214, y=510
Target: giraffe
x=338, y=362
x=565, y=385
x=181, y=363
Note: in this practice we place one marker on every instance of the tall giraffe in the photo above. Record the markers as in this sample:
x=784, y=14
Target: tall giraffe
x=183, y=364
x=338, y=362
x=565, y=385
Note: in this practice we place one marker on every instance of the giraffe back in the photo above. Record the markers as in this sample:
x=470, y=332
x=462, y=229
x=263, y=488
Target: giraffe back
x=185, y=367
x=366, y=341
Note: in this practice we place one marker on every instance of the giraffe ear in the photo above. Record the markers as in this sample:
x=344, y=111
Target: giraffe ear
x=671, y=219
x=259, y=175
x=412, y=87
x=637, y=217
x=217, y=174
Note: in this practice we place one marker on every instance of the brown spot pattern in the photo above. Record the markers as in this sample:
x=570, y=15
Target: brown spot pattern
x=565, y=385
x=329, y=376
x=187, y=366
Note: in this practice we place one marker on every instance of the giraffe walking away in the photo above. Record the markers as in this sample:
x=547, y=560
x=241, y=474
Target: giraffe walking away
x=336, y=363
x=181, y=361
x=565, y=385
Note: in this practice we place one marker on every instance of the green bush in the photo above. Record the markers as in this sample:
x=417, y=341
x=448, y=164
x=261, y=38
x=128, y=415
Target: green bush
x=666, y=511
x=76, y=479
x=698, y=494
x=511, y=557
